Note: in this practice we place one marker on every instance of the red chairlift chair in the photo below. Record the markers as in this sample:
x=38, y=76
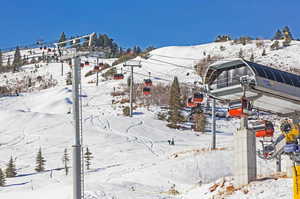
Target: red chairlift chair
x=198, y=97
x=146, y=91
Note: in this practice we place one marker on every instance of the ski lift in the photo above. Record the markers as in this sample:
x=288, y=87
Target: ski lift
x=239, y=108
x=148, y=82
x=190, y=103
x=86, y=63
x=198, y=98
x=96, y=69
x=146, y=91
x=119, y=76
x=81, y=65
x=263, y=128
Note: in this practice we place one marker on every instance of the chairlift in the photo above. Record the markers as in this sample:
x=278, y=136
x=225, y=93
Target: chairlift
x=119, y=76
x=198, y=97
x=86, y=63
x=190, y=103
x=263, y=128
x=146, y=91
x=239, y=108
x=96, y=69
x=81, y=65
x=148, y=82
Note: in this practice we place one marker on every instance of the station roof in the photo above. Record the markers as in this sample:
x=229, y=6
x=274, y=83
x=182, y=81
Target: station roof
x=274, y=74
x=258, y=69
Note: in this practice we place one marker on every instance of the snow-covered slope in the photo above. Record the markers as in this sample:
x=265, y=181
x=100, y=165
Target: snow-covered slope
x=132, y=158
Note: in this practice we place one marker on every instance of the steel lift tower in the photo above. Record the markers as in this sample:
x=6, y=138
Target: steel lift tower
x=68, y=52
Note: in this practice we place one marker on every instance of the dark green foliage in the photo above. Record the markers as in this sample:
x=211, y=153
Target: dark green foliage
x=2, y=178
x=275, y=45
x=175, y=104
x=18, y=62
x=222, y=38
x=62, y=39
x=264, y=53
x=40, y=162
x=278, y=35
x=287, y=33
x=252, y=57
x=11, y=168
x=66, y=161
x=126, y=111
x=88, y=157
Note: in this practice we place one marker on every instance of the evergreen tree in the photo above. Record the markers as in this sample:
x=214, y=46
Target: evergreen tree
x=62, y=38
x=11, y=168
x=287, y=33
x=278, y=35
x=66, y=161
x=8, y=62
x=252, y=57
x=2, y=178
x=88, y=156
x=40, y=161
x=264, y=53
x=17, y=60
x=175, y=104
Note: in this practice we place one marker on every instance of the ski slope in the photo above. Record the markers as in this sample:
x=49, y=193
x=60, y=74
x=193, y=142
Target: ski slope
x=132, y=158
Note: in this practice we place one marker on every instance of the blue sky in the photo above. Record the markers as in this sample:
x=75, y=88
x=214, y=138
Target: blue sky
x=145, y=22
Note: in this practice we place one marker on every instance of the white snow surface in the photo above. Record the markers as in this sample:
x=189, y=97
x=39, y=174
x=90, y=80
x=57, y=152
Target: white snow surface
x=132, y=158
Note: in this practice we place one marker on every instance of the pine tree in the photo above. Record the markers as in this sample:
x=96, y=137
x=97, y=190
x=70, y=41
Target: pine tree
x=40, y=161
x=175, y=104
x=278, y=35
x=17, y=60
x=11, y=168
x=287, y=33
x=2, y=178
x=66, y=160
x=252, y=57
x=62, y=38
x=264, y=53
x=88, y=156
x=8, y=62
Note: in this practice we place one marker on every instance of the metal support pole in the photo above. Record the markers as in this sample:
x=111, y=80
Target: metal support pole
x=97, y=63
x=62, y=68
x=213, y=128
x=77, y=142
x=131, y=92
x=278, y=163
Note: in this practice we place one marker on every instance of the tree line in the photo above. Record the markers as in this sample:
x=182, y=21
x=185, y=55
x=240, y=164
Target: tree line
x=10, y=171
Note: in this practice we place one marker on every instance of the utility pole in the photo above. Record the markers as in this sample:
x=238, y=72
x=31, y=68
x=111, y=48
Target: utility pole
x=131, y=84
x=213, y=127
x=77, y=192
x=97, y=81
x=62, y=68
